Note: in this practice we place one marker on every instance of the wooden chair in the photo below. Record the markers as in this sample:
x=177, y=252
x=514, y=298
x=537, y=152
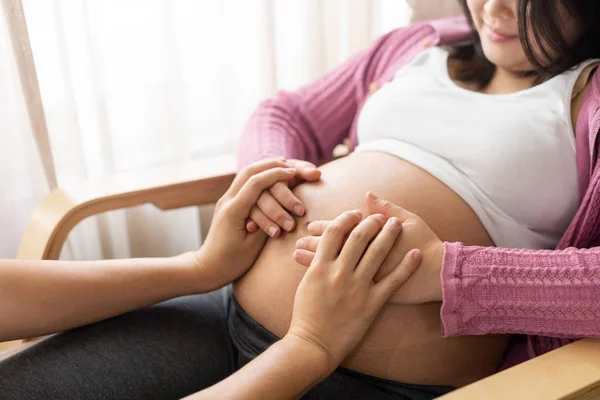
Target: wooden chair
x=571, y=372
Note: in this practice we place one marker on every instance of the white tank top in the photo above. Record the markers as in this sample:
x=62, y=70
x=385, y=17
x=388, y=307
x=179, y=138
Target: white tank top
x=511, y=157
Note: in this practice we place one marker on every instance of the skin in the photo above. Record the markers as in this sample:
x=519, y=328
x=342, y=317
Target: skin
x=43, y=297
x=348, y=282
x=511, y=61
x=425, y=285
x=508, y=56
x=275, y=207
x=339, y=294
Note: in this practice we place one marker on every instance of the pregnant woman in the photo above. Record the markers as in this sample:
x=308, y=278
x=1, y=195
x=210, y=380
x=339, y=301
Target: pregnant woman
x=483, y=128
x=478, y=139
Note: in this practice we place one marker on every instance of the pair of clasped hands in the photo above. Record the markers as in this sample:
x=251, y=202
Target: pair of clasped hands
x=355, y=263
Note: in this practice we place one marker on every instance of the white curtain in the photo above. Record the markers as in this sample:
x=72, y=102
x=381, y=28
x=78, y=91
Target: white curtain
x=127, y=84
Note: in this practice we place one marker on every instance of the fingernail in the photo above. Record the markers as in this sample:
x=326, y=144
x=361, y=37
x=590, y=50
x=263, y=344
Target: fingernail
x=416, y=255
x=372, y=196
x=272, y=231
x=298, y=210
x=394, y=222
x=380, y=217
x=288, y=225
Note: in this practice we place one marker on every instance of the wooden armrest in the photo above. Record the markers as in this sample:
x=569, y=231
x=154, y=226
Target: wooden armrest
x=8, y=349
x=571, y=372
x=168, y=187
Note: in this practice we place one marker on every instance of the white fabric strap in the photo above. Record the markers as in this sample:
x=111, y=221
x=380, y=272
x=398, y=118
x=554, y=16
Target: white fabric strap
x=583, y=79
x=19, y=37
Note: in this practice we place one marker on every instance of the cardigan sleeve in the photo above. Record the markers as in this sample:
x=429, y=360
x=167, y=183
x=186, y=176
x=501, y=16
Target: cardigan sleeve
x=489, y=290
x=308, y=123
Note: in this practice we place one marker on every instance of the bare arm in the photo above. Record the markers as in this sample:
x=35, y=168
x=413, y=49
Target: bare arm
x=287, y=370
x=42, y=297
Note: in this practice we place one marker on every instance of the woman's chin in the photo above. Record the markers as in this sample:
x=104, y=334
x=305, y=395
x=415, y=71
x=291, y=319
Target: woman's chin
x=507, y=59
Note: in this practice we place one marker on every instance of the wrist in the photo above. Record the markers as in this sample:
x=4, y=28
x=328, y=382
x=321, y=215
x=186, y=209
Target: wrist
x=193, y=268
x=438, y=264
x=318, y=360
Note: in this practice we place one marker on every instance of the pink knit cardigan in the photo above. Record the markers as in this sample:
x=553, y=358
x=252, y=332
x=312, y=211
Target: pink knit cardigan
x=553, y=296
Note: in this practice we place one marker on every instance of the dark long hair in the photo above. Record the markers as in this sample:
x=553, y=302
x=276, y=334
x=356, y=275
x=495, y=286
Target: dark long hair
x=541, y=17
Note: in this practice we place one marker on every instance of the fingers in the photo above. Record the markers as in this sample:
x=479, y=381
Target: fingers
x=277, y=203
x=274, y=211
x=384, y=289
x=306, y=171
x=270, y=214
x=390, y=264
x=309, y=175
x=255, y=168
x=379, y=250
x=309, y=243
x=333, y=238
x=248, y=195
x=264, y=222
x=377, y=205
x=251, y=225
x=359, y=239
x=284, y=196
x=316, y=228
x=306, y=248
x=304, y=257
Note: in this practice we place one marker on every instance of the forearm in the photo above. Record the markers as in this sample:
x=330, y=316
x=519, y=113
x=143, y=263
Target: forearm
x=544, y=292
x=287, y=370
x=42, y=297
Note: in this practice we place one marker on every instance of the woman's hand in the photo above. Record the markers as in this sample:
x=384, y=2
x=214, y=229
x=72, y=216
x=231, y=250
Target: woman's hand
x=229, y=249
x=335, y=304
x=337, y=299
x=273, y=210
x=425, y=285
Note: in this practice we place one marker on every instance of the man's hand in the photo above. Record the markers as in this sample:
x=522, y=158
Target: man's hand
x=229, y=249
x=273, y=210
x=425, y=285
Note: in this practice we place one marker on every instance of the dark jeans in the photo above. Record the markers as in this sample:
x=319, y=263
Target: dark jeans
x=167, y=351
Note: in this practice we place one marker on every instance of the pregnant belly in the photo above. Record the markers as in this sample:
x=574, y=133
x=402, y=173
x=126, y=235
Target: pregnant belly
x=404, y=343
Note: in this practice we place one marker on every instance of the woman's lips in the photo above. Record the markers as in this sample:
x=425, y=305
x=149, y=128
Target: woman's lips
x=497, y=36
